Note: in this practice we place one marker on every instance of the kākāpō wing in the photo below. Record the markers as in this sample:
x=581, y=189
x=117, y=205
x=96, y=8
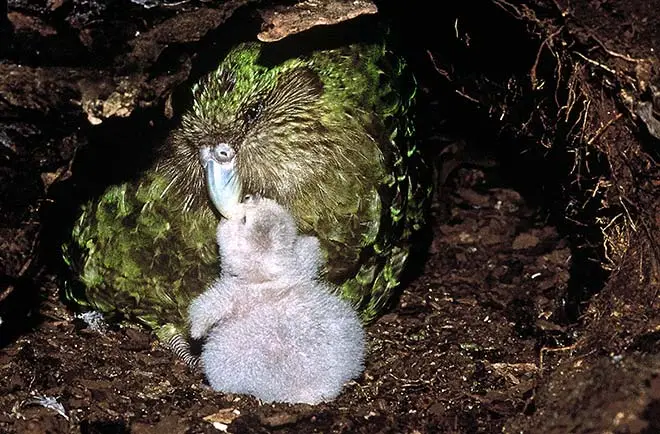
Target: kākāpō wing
x=329, y=135
x=133, y=254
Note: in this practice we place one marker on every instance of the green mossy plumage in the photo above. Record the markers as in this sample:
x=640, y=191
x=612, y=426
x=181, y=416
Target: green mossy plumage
x=327, y=135
x=132, y=254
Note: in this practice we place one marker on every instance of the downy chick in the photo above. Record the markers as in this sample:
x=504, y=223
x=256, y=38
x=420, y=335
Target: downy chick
x=272, y=330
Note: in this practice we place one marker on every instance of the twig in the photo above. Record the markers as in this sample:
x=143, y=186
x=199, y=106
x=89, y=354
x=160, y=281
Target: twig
x=464, y=95
x=632, y=223
x=602, y=129
x=546, y=41
x=593, y=62
x=508, y=7
x=554, y=350
x=601, y=183
x=6, y=292
x=615, y=54
x=571, y=97
x=564, y=12
x=466, y=41
x=436, y=67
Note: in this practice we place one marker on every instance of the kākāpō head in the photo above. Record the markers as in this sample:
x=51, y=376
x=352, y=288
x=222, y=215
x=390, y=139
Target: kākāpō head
x=282, y=132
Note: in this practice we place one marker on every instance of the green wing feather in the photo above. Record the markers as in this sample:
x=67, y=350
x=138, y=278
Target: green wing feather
x=136, y=253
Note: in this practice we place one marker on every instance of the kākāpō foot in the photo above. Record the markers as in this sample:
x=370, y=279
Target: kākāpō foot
x=179, y=344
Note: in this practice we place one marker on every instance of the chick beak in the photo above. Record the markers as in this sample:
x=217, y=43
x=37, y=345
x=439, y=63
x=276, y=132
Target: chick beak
x=222, y=177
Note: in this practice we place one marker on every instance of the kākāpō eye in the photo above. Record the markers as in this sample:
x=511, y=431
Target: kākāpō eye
x=253, y=111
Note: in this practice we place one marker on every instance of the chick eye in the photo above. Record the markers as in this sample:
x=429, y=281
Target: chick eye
x=253, y=111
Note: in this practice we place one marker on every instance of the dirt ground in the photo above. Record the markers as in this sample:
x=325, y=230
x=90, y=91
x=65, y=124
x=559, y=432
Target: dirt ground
x=537, y=306
x=460, y=353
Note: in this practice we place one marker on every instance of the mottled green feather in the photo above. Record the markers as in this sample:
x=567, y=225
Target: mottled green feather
x=146, y=248
x=134, y=255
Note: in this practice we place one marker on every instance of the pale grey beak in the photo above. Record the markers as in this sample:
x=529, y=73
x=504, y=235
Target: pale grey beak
x=222, y=177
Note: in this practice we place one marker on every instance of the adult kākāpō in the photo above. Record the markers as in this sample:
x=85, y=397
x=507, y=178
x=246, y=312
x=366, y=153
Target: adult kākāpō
x=328, y=135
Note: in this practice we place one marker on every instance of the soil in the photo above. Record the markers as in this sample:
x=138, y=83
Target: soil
x=460, y=352
x=535, y=308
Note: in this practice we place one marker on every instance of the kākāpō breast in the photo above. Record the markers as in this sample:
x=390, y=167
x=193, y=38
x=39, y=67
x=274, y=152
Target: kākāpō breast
x=328, y=135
